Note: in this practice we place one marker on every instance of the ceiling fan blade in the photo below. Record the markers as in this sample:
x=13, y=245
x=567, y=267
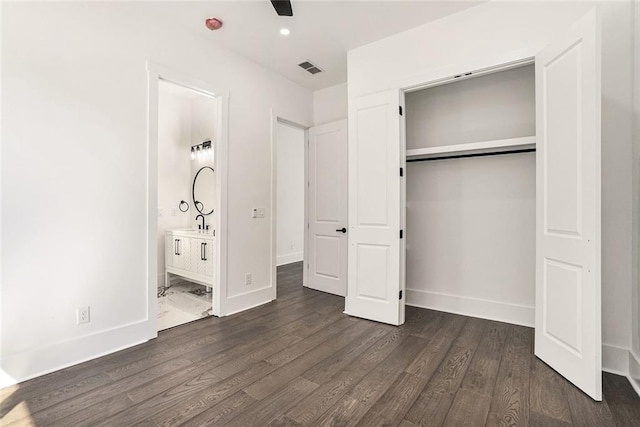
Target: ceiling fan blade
x=282, y=7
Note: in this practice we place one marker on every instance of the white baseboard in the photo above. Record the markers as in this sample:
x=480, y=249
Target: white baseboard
x=474, y=307
x=622, y=361
x=289, y=258
x=634, y=371
x=33, y=363
x=247, y=300
x=615, y=360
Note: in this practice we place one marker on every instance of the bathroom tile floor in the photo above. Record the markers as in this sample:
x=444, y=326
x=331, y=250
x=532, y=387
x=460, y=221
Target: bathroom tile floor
x=182, y=303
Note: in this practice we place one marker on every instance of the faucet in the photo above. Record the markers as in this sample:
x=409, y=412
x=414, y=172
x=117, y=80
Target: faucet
x=200, y=215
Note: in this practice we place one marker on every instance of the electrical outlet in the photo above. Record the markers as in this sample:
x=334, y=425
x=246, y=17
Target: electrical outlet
x=292, y=247
x=247, y=279
x=160, y=212
x=261, y=212
x=83, y=315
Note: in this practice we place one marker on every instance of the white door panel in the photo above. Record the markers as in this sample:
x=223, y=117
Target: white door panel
x=327, y=266
x=374, y=209
x=568, y=312
x=201, y=256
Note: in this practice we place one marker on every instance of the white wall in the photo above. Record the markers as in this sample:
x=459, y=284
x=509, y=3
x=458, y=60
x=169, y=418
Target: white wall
x=617, y=195
x=499, y=32
x=330, y=104
x=476, y=38
x=174, y=165
x=495, y=106
x=471, y=236
x=74, y=185
x=203, y=119
x=290, y=192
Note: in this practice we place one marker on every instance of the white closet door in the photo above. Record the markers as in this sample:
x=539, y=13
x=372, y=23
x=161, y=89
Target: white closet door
x=328, y=208
x=567, y=335
x=373, y=289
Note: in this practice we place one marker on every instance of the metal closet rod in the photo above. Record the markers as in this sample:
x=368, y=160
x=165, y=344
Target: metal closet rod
x=462, y=156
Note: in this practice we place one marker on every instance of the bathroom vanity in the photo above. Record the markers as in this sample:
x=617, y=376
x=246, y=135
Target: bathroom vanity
x=190, y=254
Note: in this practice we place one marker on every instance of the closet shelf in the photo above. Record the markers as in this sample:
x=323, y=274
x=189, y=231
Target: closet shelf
x=496, y=146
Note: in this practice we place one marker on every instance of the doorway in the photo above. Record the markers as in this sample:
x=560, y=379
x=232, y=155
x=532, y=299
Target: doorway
x=290, y=205
x=186, y=199
x=289, y=150
x=310, y=203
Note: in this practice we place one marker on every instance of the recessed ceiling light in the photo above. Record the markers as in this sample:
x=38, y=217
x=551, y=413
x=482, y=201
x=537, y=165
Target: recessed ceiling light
x=284, y=31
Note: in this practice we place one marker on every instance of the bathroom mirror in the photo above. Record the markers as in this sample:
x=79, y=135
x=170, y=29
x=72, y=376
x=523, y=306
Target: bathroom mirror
x=203, y=190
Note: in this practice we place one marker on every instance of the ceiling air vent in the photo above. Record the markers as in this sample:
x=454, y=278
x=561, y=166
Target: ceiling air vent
x=308, y=66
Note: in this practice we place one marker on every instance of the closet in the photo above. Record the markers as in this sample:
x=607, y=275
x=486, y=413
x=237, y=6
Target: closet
x=470, y=195
x=437, y=219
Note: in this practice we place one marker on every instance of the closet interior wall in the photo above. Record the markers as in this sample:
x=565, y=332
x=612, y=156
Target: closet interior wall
x=470, y=221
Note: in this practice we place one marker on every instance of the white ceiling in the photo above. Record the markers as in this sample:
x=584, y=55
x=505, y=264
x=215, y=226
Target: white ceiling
x=321, y=31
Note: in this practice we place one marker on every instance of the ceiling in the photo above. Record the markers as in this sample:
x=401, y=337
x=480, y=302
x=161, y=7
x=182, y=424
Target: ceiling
x=321, y=31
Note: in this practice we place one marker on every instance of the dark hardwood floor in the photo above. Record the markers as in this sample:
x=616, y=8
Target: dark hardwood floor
x=300, y=361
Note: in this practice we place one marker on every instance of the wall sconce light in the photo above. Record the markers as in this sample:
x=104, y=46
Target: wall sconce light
x=202, y=151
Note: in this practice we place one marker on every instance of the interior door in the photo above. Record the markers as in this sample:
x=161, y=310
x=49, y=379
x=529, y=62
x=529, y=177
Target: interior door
x=567, y=334
x=374, y=286
x=327, y=266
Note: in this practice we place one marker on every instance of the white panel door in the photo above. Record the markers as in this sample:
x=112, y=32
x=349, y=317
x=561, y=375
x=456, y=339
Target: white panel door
x=567, y=335
x=327, y=246
x=373, y=289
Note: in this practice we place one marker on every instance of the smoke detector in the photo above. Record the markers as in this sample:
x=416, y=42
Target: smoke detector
x=213, y=23
x=309, y=67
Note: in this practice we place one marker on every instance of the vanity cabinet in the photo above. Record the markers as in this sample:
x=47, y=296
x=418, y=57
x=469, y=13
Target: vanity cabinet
x=201, y=253
x=189, y=254
x=177, y=252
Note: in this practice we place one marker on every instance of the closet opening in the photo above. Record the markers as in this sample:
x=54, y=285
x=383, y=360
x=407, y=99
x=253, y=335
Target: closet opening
x=470, y=194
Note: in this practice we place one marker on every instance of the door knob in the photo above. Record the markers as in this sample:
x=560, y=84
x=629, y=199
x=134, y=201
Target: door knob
x=342, y=230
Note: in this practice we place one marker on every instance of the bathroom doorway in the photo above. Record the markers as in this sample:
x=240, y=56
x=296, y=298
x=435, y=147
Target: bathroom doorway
x=187, y=158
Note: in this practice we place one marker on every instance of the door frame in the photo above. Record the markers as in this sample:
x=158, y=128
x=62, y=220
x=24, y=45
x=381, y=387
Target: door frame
x=416, y=86
x=440, y=81
x=155, y=73
x=529, y=60
x=275, y=119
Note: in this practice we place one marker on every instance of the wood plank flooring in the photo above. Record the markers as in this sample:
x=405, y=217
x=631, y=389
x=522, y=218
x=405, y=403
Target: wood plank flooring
x=300, y=361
